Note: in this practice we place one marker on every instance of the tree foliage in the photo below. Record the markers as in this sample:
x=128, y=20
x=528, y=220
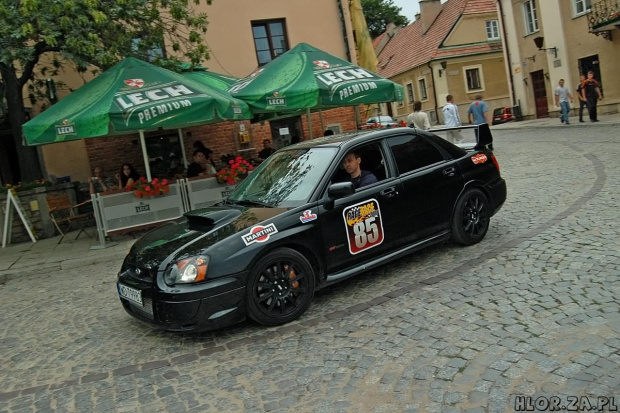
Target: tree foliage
x=379, y=13
x=86, y=34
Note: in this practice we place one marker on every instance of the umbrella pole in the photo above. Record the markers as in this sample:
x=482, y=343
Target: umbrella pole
x=321, y=118
x=182, y=148
x=145, y=156
x=309, y=121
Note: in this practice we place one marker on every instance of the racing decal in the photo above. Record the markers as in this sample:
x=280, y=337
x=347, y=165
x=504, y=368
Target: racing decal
x=259, y=234
x=363, y=225
x=307, y=216
x=479, y=158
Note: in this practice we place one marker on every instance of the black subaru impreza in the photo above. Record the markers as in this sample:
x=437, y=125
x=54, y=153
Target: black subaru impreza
x=302, y=221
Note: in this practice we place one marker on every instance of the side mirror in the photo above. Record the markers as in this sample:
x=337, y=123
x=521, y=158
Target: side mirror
x=340, y=190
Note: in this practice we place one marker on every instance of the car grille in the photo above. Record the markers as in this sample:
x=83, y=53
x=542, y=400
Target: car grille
x=141, y=274
x=144, y=311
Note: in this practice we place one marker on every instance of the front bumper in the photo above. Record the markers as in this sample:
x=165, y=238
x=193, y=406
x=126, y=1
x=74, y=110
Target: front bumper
x=201, y=307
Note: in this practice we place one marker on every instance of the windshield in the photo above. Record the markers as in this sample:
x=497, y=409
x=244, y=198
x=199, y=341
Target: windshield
x=285, y=179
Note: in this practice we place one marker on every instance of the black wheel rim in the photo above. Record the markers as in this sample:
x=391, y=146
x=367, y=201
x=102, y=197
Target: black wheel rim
x=281, y=288
x=475, y=216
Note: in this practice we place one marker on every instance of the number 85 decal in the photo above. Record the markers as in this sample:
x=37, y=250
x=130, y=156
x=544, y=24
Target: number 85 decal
x=364, y=225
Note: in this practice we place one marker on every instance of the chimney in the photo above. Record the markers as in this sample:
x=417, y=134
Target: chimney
x=417, y=16
x=429, y=10
x=390, y=31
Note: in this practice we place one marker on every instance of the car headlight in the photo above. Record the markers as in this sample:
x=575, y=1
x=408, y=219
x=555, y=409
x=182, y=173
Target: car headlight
x=190, y=270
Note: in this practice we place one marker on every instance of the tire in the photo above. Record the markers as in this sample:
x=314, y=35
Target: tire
x=280, y=287
x=471, y=217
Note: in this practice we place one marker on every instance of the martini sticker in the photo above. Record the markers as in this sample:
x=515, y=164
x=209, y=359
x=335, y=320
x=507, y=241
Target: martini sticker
x=259, y=234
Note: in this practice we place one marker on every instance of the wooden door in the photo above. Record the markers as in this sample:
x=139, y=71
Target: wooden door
x=540, y=94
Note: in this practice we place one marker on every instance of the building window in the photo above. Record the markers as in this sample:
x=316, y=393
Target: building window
x=473, y=78
x=269, y=39
x=410, y=92
x=581, y=6
x=422, y=85
x=531, y=21
x=492, y=30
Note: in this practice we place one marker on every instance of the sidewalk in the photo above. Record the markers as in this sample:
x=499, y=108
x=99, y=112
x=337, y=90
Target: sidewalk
x=48, y=255
x=604, y=120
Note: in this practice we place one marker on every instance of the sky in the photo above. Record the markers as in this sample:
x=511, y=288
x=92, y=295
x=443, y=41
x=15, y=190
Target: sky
x=409, y=8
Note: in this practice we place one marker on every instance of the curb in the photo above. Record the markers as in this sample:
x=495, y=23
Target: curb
x=577, y=124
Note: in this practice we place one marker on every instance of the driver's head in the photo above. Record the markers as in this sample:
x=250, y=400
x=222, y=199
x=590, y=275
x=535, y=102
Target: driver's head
x=351, y=164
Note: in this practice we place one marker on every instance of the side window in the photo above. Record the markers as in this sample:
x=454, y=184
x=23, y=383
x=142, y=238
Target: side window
x=371, y=162
x=413, y=152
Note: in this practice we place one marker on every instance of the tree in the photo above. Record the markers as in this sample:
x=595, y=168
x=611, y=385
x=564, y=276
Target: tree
x=381, y=12
x=86, y=34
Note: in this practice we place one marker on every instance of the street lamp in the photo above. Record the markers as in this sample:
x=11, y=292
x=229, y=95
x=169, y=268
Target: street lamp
x=551, y=50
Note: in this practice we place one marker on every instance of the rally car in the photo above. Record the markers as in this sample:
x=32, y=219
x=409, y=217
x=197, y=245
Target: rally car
x=298, y=224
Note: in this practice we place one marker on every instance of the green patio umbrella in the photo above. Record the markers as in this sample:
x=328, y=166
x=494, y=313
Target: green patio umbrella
x=306, y=77
x=133, y=96
x=212, y=79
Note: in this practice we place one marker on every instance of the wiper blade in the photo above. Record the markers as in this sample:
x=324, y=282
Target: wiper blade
x=251, y=202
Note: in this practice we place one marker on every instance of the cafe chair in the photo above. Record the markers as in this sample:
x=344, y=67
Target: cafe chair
x=64, y=214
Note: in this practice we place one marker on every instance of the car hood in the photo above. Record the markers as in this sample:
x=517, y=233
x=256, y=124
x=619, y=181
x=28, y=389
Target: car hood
x=200, y=230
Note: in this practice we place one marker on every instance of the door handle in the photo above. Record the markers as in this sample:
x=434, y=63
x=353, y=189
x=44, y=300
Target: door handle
x=449, y=172
x=389, y=192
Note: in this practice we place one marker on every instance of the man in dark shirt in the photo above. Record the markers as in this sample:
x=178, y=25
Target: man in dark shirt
x=267, y=151
x=351, y=164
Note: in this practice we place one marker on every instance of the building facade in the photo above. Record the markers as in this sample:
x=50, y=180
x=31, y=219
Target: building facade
x=242, y=36
x=549, y=40
x=453, y=48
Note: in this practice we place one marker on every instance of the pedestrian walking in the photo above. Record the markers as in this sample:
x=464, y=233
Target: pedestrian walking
x=591, y=93
x=582, y=101
x=562, y=96
x=452, y=119
x=418, y=118
x=478, y=112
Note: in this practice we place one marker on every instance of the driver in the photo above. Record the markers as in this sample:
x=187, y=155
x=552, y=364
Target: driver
x=359, y=178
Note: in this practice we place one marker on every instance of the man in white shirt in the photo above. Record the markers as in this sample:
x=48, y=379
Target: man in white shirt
x=452, y=119
x=562, y=96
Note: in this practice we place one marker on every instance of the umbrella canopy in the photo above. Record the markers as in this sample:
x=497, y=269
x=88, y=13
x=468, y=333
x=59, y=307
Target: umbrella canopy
x=306, y=77
x=133, y=96
x=211, y=79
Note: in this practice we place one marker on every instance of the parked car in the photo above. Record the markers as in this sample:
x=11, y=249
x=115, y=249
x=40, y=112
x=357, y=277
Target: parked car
x=381, y=121
x=502, y=115
x=297, y=224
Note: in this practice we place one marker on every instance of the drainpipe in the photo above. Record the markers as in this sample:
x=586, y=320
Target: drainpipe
x=508, y=60
x=345, y=36
x=434, y=92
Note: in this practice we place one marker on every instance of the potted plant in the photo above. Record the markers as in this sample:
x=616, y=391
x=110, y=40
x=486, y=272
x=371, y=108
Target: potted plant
x=144, y=188
x=236, y=170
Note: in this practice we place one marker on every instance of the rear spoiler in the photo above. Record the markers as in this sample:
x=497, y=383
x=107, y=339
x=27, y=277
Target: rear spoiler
x=482, y=133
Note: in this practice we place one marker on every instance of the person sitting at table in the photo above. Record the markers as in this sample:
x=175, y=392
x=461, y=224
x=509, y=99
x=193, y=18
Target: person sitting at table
x=200, y=166
x=127, y=176
x=99, y=183
x=267, y=150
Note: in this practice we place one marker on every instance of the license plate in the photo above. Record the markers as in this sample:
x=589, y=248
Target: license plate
x=130, y=293
x=225, y=194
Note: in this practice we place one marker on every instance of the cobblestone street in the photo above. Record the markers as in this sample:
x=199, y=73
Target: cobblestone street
x=532, y=310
